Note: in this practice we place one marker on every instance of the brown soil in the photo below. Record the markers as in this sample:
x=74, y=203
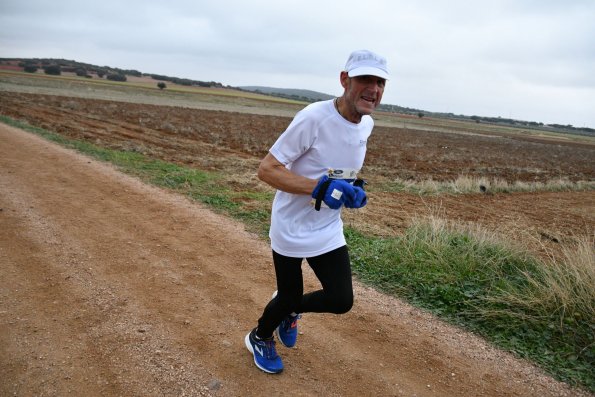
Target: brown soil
x=203, y=136
x=234, y=142
x=111, y=287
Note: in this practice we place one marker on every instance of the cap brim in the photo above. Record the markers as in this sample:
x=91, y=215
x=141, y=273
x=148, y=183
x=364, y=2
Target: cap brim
x=368, y=71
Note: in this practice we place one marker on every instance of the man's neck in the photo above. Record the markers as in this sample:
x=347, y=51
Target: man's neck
x=348, y=114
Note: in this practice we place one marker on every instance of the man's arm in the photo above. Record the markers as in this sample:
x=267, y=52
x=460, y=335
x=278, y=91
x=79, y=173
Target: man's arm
x=273, y=172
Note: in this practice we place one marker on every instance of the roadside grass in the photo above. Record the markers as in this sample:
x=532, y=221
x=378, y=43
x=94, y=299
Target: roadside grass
x=465, y=184
x=540, y=310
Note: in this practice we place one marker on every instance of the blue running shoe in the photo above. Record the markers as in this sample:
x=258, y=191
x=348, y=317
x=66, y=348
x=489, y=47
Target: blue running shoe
x=264, y=352
x=287, y=331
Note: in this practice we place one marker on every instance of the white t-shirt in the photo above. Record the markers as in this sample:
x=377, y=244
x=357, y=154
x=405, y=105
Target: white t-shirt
x=318, y=139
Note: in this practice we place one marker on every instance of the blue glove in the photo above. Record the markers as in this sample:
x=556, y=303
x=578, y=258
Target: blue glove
x=333, y=192
x=359, y=200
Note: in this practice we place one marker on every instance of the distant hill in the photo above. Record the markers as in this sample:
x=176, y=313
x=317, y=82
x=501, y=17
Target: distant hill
x=95, y=71
x=290, y=93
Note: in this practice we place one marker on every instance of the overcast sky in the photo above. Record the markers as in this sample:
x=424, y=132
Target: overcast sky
x=531, y=60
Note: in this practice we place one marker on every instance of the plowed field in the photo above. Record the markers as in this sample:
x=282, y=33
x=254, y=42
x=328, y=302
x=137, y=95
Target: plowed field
x=234, y=142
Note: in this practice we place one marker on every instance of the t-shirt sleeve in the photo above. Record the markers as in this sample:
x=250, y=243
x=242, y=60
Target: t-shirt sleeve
x=297, y=139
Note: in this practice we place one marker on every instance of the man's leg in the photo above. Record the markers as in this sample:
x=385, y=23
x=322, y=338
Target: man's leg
x=290, y=288
x=333, y=269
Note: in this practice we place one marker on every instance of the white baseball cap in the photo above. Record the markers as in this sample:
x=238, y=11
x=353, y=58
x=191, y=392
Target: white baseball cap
x=364, y=62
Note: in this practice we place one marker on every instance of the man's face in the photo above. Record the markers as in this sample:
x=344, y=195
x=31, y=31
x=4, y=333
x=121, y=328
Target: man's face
x=363, y=93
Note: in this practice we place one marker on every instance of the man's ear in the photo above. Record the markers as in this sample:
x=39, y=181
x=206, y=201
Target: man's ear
x=344, y=77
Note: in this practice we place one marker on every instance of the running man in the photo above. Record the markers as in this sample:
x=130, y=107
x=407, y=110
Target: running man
x=313, y=165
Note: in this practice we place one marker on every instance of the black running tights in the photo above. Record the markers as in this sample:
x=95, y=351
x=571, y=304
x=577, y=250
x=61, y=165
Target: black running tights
x=333, y=269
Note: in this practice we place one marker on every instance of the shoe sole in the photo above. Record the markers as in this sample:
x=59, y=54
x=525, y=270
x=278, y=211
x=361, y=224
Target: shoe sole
x=251, y=350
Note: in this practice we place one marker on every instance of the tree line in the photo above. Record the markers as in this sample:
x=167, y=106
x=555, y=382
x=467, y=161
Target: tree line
x=52, y=66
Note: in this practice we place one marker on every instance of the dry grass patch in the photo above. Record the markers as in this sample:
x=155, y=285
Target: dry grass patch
x=465, y=184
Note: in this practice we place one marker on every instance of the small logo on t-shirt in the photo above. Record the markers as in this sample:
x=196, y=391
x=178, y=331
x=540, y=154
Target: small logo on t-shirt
x=342, y=173
x=362, y=142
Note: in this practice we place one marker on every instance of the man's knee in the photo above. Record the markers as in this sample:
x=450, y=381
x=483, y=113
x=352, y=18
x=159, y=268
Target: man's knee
x=342, y=304
x=290, y=301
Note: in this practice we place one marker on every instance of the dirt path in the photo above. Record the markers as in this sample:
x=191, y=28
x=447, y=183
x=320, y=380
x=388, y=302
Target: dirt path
x=110, y=287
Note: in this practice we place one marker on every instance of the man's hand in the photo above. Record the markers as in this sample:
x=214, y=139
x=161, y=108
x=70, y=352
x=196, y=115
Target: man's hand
x=334, y=193
x=359, y=200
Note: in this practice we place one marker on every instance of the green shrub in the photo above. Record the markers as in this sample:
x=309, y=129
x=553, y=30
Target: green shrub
x=29, y=68
x=116, y=77
x=54, y=70
x=82, y=72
